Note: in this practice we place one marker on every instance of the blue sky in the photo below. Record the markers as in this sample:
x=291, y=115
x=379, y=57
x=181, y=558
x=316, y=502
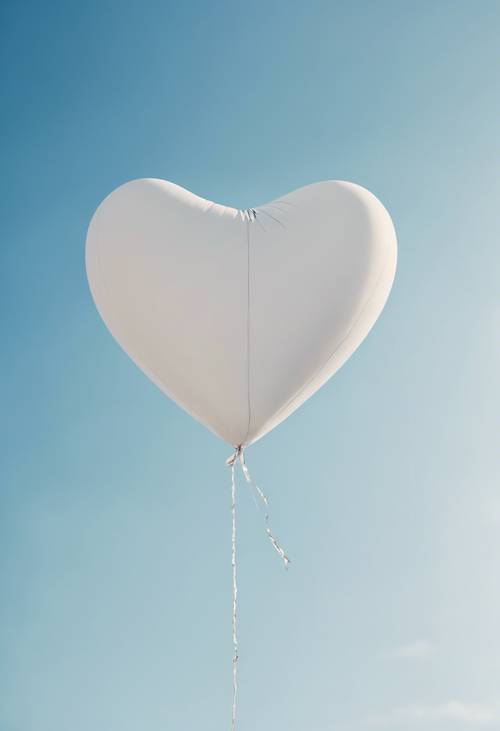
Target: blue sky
x=115, y=529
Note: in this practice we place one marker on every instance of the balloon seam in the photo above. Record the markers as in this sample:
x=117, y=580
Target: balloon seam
x=247, y=223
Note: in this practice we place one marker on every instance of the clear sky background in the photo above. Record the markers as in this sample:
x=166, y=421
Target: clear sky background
x=115, y=581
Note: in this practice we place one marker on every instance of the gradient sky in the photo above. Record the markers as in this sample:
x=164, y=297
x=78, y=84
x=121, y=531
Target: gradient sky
x=115, y=604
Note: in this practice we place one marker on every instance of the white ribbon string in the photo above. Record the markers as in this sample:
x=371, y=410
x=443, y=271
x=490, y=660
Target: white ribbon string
x=265, y=503
x=238, y=455
x=235, y=593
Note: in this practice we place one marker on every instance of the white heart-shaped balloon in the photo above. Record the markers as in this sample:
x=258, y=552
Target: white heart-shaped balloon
x=240, y=316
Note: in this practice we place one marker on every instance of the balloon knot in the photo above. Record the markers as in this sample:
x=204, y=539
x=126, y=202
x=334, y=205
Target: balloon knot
x=238, y=451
